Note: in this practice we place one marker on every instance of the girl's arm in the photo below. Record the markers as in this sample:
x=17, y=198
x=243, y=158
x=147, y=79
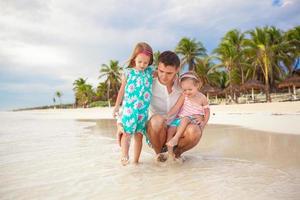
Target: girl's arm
x=176, y=107
x=120, y=96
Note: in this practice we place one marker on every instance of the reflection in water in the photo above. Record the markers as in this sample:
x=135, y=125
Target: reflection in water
x=60, y=159
x=230, y=158
x=235, y=142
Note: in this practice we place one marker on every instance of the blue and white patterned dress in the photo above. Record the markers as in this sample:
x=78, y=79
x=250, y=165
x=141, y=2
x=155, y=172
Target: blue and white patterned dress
x=137, y=97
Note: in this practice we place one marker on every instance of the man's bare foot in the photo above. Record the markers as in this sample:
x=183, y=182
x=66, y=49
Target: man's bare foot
x=125, y=161
x=173, y=142
x=177, y=151
x=161, y=157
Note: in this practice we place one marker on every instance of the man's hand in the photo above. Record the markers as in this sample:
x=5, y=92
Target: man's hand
x=198, y=119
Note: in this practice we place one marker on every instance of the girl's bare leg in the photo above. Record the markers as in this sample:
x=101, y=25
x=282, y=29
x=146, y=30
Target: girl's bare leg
x=138, y=144
x=125, y=143
x=183, y=124
x=170, y=134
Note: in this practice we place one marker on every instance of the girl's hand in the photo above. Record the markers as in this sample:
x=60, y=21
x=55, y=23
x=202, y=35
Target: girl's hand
x=116, y=111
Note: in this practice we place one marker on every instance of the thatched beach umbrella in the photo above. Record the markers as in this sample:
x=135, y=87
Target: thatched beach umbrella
x=253, y=85
x=293, y=81
x=208, y=89
x=232, y=89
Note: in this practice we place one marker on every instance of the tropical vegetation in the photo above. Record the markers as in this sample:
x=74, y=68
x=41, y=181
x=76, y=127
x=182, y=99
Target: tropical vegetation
x=264, y=54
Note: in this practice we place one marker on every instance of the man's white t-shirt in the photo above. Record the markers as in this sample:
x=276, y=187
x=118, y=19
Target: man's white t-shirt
x=162, y=101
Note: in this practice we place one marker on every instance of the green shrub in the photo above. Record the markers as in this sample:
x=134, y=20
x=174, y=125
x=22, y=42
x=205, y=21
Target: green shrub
x=99, y=104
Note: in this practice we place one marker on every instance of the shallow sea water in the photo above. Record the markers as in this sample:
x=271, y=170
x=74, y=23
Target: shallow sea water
x=42, y=157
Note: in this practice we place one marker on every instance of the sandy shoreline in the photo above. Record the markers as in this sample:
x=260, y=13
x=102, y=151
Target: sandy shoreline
x=283, y=117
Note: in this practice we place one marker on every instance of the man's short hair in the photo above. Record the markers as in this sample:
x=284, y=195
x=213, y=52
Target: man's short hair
x=169, y=58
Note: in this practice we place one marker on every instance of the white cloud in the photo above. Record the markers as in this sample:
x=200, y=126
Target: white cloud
x=70, y=39
x=287, y=3
x=25, y=88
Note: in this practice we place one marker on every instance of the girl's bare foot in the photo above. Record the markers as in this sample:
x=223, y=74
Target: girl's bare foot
x=124, y=161
x=171, y=155
x=173, y=142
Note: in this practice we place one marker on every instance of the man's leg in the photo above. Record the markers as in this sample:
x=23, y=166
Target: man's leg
x=156, y=132
x=190, y=138
x=170, y=134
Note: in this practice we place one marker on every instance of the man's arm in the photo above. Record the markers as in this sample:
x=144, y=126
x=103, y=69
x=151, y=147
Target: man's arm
x=206, y=112
x=206, y=117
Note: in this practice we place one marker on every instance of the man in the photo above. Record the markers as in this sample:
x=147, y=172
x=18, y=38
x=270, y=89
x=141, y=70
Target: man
x=165, y=92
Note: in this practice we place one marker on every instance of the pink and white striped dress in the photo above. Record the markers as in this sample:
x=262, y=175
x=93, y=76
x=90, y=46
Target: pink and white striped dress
x=190, y=108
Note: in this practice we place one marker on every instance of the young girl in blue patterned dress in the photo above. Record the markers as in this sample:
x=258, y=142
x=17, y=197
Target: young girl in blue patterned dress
x=136, y=94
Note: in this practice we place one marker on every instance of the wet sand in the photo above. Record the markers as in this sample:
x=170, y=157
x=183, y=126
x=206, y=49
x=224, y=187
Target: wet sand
x=280, y=150
x=239, y=162
x=48, y=156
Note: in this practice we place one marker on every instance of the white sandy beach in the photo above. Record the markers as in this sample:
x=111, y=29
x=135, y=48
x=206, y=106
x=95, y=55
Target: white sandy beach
x=283, y=117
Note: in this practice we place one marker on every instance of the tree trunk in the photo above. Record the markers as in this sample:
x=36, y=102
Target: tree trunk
x=267, y=87
x=108, y=88
x=294, y=92
x=191, y=65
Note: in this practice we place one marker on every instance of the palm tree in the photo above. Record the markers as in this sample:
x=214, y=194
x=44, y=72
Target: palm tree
x=219, y=79
x=54, y=101
x=155, y=58
x=85, y=95
x=83, y=92
x=78, y=88
x=203, y=68
x=227, y=55
x=292, y=37
x=112, y=73
x=190, y=49
x=263, y=46
x=102, y=91
x=59, y=94
x=237, y=40
x=78, y=83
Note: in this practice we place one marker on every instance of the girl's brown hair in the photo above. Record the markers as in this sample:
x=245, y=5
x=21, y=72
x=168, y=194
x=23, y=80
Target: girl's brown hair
x=141, y=47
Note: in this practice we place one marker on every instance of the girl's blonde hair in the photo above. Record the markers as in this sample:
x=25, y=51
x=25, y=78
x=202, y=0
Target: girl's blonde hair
x=190, y=75
x=141, y=47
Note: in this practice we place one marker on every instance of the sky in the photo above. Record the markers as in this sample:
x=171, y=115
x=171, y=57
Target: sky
x=46, y=45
